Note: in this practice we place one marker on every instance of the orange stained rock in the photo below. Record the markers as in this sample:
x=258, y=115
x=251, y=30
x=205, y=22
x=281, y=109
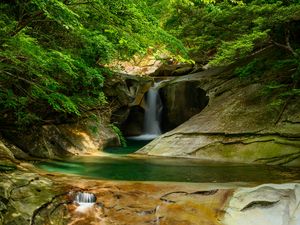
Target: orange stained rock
x=195, y=209
x=158, y=204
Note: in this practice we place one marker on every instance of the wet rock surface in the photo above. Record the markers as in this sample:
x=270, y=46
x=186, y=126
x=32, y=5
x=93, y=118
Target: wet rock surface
x=28, y=197
x=126, y=93
x=134, y=124
x=138, y=203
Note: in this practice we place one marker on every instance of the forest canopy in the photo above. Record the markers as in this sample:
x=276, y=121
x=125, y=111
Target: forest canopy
x=52, y=52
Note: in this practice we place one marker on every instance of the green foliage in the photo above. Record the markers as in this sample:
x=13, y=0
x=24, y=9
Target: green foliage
x=118, y=132
x=230, y=51
x=52, y=54
x=282, y=92
x=227, y=31
x=284, y=64
x=254, y=67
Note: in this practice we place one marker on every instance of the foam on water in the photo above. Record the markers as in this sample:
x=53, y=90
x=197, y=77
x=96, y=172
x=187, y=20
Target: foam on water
x=85, y=200
x=143, y=137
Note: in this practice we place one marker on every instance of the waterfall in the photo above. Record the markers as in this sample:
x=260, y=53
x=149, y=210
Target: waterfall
x=153, y=112
x=84, y=197
x=152, y=115
x=85, y=201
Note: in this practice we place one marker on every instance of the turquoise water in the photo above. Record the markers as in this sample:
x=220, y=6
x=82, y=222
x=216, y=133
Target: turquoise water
x=119, y=166
x=132, y=146
x=179, y=170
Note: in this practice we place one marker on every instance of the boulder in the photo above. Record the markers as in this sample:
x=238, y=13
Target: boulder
x=28, y=198
x=169, y=70
x=265, y=204
x=7, y=158
x=123, y=92
x=128, y=111
x=239, y=124
x=88, y=136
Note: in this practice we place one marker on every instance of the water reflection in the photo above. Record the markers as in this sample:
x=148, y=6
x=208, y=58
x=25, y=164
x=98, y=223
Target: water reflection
x=161, y=169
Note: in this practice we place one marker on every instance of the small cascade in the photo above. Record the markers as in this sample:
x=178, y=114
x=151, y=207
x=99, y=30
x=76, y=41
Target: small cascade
x=85, y=200
x=152, y=117
x=153, y=112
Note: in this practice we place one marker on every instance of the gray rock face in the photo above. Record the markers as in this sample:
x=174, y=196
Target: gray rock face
x=266, y=204
x=173, y=70
x=126, y=93
x=239, y=124
x=181, y=101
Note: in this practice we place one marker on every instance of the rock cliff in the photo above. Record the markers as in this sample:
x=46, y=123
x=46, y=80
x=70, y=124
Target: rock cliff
x=240, y=123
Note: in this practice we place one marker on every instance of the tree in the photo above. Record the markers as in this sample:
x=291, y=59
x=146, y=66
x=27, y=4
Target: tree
x=226, y=31
x=52, y=54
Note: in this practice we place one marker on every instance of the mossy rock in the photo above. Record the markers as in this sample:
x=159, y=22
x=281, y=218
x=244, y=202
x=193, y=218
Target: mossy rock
x=7, y=167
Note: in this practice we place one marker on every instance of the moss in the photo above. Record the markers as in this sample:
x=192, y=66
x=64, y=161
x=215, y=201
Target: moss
x=119, y=133
x=270, y=151
x=6, y=167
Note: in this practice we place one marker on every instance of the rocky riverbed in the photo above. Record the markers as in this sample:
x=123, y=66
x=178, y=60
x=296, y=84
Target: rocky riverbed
x=30, y=196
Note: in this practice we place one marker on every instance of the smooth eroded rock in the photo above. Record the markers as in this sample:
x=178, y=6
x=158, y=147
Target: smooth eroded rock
x=239, y=124
x=267, y=204
x=88, y=136
x=181, y=101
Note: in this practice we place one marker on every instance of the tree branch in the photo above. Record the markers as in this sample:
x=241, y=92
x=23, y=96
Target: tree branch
x=285, y=105
x=287, y=46
x=22, y=24
x=80, y=3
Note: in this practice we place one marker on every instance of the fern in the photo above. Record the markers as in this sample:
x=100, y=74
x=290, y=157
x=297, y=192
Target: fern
x=118, y=132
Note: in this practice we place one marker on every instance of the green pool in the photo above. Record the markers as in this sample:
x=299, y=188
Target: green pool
x=118, y=165
x=179, y=170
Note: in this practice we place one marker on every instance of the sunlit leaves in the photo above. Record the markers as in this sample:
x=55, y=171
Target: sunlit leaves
x=58, y=11
x=224, y=31
x=52, y=53
x=231, y=51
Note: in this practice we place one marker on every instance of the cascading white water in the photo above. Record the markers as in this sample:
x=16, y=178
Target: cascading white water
x=153, y=112
x=84, y=197
x=85, y=201
x=152, y=115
